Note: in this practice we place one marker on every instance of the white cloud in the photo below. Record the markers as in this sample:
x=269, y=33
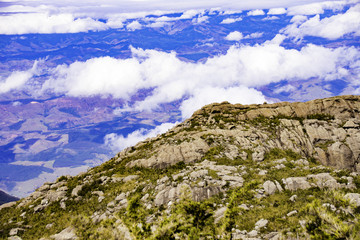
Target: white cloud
x=90, y=7
x=257, y=12
x=237, y=36
x=286, y=89
x=66, y=17
x=158, y=24
x=171, y=79
x=332, y=27
x=316, y=8
x=45, y=23
x=234, y=36
x=118, y=77
x=200, y=19
x=270, y=18
x=119, y=142
x=207, y=95
x=276, y=11
x=254, y=35
x=134, y=25
x=17, y=79
x=231, y=20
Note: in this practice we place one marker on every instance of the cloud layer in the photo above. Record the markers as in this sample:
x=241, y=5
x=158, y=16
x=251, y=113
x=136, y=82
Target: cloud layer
x=23, y=17
x=168, y=79
x=333, y=27
x=119, y=142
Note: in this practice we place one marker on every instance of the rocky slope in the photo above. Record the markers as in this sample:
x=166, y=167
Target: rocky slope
x=271, y=171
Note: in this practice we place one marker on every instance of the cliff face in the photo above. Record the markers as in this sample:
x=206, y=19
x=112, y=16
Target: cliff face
x=271, y=171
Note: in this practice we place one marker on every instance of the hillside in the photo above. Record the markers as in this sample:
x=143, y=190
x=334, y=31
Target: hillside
x=271, y=171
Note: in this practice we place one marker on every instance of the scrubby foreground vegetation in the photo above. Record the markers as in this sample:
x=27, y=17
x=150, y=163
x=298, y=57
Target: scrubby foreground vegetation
x=272, y=171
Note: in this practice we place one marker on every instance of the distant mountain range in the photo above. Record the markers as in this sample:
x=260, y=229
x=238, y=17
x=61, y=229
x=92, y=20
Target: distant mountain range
x=5, y=198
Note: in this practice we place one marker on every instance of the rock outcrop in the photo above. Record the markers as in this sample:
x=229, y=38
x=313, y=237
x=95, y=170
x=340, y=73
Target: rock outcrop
x=325, y=129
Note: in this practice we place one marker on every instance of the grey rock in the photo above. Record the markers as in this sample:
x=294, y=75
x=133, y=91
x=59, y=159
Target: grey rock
x=7, y=205
x=15, y=231
x=272, y=236
x=50, y=225
x=258, y=156
x=340, y=156
x=302, y=162
x=292, y=213
x=199, y=174
x=279, y=166
x=324, y=180
x=120, y=197
x=293, y=198
x=261, y=224
x=354, y=198
x=66, y=234
x=99, y=193
x=262, y=172
x=269, y=187
x=295, y=183
x=350, y=124
x=130, y=178
x=235, y=181
x=43, y=188
x=219, y=214
x=278, y=186
x=115, y=179
x=14, y=238
x=39, y=208
x=244, y=206
x=253, y=233
x=76, y=190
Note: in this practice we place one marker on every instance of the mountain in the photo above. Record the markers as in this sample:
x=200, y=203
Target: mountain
x=5, y=198
x=67, y=96
x=270, y=171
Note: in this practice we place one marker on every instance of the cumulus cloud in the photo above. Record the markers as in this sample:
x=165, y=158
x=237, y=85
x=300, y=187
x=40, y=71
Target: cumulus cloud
x=200, y=19
x=207, y=95
x=168, y=79
x=119, y=142
x=316, y=8
x=332, y=27
x=231, y=20
x=234, y=36
x=118, y=77
x=135, y=25
x=286, y=89
x=237, y=36
x=66, y=17
x=257, y=12
x=254, y=35
x=276, y=11
x=17, y=79
x=45, y=23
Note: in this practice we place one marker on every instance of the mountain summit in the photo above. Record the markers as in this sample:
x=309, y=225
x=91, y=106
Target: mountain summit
x=270, y=171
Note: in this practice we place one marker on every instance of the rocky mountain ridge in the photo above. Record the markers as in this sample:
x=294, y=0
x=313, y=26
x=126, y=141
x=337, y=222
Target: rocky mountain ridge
x=271, y=171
